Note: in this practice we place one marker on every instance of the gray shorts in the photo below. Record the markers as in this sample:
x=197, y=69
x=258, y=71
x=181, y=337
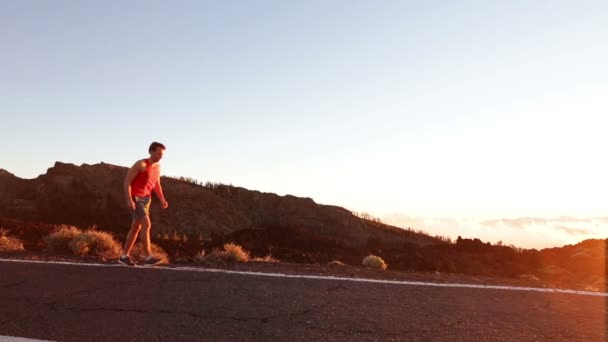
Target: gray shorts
x=142, y=207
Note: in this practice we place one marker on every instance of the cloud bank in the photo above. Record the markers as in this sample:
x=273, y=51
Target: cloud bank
x=525, y=232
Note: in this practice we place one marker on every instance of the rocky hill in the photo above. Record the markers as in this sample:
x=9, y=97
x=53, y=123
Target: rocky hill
x=92, y=195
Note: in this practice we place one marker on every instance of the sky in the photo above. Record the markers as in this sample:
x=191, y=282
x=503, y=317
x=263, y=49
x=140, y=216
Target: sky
x=474, y=118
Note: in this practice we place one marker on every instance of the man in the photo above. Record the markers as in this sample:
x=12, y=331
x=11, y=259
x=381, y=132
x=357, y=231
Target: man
x=143, y=178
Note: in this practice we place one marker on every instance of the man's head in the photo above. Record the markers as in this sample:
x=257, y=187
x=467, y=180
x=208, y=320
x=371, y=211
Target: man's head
x=156, y=151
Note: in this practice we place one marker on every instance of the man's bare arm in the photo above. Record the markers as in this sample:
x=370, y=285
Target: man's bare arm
x=138, y=167
x=158, y=189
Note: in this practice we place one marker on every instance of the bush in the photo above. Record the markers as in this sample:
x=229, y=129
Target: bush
x=101, y=244
x=59, y=241
x=373, y=261
x=234, y=252
x=138, y=253
x=231, y=253
x=9, y=243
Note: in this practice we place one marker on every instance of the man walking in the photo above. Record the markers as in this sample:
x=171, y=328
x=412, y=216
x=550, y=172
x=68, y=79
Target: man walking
x=143, y=178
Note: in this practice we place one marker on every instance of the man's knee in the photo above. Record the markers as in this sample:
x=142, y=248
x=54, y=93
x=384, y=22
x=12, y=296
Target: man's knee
x=135, y=226
x=145, y=223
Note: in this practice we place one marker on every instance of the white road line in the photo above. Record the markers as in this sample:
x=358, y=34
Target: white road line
x=18, y=339
x=304, y=276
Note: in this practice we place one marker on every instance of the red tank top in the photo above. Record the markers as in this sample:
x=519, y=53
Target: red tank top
x=145, y=181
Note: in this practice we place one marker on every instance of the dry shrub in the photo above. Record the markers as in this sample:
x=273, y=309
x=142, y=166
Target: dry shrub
x=373, y=261
x=9, y=243
x=234, y=253
x=96, y=243
x=231, y=253
x=59, y=240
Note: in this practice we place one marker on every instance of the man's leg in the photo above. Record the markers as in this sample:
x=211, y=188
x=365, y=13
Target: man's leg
x=132, y=236
x=144, y=235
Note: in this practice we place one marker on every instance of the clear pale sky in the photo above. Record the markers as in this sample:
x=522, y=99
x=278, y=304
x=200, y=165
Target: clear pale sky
x=416, y=112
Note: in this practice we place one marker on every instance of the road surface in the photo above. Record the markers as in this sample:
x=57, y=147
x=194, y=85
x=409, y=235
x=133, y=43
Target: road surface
x=118, y=303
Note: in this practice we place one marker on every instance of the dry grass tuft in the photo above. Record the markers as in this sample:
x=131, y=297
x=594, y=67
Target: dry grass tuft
x=234, y=253
x=231, y=253
x=59, y=240
x=9, y=243
x=96, y=243
x=373, y=261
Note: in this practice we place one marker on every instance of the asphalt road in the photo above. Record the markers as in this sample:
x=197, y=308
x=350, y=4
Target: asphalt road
x=83, y=303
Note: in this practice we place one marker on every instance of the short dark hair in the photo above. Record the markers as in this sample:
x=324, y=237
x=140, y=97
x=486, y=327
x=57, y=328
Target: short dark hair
x=154, y=145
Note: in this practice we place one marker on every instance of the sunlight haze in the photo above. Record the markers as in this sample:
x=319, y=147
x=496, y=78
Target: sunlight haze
x=459, y=118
